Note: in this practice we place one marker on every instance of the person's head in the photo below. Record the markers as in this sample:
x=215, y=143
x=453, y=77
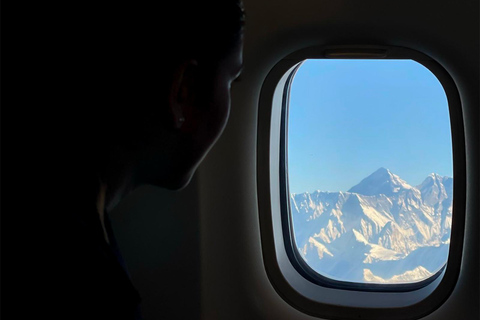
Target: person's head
x=163, y=75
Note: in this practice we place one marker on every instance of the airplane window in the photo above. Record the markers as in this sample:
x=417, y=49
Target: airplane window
x=370, y=170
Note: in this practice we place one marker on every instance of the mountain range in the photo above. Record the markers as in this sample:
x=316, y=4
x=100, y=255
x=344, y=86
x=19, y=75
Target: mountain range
x=381, y=230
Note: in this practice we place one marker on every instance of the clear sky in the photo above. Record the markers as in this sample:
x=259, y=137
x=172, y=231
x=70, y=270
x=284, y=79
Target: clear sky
x=347, y=118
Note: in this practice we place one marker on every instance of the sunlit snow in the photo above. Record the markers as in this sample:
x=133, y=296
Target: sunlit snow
x=382, y=230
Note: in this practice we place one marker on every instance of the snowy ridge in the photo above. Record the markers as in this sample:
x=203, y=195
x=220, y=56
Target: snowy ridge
x=398, y=233
x=415, y=275
x=381, y=181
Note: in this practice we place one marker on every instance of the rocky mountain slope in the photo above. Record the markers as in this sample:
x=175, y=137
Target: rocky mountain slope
x=382, y=230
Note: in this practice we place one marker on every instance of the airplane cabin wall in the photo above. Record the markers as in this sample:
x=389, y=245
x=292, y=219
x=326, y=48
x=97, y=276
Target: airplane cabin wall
x=217, y=230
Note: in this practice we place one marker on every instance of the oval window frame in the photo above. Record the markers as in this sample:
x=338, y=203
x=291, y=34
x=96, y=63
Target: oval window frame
x=321, y=296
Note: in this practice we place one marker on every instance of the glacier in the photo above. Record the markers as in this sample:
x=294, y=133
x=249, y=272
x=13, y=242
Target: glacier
x=381, y=230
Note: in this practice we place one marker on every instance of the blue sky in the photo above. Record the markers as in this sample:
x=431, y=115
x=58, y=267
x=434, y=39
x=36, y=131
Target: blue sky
x=348, y=118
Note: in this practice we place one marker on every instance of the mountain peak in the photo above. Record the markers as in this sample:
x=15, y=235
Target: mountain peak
x=382, y=170
x=382, y=181
x=435, y=176
x=435, y=188
x=382, y=173
x=433, y=179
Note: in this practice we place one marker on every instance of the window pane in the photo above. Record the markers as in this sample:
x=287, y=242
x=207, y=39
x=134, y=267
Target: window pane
x=370, y=170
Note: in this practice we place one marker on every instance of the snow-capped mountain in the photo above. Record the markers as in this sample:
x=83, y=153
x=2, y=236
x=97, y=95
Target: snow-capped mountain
x=382, y=230
x=381, y=181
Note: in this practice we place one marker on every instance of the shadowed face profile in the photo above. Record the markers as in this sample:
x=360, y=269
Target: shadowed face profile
x=166, y=87
x=198, y=107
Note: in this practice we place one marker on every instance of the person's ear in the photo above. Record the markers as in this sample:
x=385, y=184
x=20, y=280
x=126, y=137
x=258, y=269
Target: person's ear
x=183, y=94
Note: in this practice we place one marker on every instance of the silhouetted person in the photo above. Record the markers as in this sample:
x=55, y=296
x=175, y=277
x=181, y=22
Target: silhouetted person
x=150, y=97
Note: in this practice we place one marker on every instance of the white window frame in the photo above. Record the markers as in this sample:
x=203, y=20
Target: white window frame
x=329, y=298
